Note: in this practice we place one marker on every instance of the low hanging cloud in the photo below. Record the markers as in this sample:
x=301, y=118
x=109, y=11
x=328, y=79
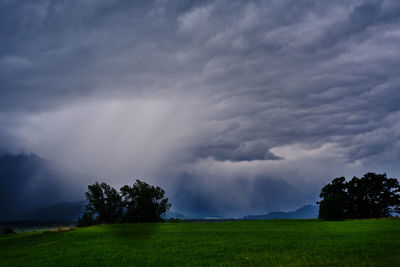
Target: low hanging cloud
x=292, y=92
x=28, y=182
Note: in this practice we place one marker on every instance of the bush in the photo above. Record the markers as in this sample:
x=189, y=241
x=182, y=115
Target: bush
x=6, y=230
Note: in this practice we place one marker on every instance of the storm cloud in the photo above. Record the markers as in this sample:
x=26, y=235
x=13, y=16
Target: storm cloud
x=28, y=182
x=221, y=92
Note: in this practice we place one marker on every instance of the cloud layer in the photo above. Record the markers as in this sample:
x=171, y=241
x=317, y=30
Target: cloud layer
x=296, y=91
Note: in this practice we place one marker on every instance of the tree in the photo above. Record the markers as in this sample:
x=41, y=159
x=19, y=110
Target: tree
x=87, y=219
x=104, y=205
x=334, y=195
x=139, y=203
x=372, y=196
x=143, y=202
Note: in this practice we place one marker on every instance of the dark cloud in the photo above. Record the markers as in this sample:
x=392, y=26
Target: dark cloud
x=28, y=182
x=155, y=88
x=234, y=151
x=195, y=195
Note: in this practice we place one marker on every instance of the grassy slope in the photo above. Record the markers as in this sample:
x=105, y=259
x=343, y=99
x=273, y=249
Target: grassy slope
x=275, y=242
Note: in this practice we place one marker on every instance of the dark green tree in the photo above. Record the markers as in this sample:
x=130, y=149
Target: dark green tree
x=334, y=200
x=104, y=205
x=144, y=202
x=372, y=196
x=87, y=219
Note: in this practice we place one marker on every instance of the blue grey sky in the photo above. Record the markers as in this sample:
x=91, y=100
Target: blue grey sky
x=235, y=107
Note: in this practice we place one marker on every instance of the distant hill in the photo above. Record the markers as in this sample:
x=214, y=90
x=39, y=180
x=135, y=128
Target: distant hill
x=306, y=212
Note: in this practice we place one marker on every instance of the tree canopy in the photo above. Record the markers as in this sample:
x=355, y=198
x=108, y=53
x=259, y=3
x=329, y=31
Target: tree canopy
x=138, y=203
x=144, y=202
x=371, y=196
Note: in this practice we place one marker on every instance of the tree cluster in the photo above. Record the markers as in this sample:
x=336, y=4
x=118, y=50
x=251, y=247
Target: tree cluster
x=138, y=203
x=371, y=196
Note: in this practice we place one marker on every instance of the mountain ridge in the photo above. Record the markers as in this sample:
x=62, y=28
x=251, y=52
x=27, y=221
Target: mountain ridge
x=305, y=212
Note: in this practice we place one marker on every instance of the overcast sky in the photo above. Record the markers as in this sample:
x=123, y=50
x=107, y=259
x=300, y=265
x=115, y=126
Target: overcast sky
x=232, y=106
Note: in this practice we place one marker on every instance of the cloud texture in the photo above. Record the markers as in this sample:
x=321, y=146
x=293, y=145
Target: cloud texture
x=229, y=94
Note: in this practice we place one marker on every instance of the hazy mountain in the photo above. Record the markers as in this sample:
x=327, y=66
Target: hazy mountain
x=305, y=212
x=28, y=182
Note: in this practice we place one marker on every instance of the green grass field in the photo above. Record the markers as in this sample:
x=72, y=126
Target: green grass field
x=254, y=243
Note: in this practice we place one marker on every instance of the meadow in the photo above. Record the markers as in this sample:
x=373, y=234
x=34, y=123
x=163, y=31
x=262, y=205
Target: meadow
x=235, y=243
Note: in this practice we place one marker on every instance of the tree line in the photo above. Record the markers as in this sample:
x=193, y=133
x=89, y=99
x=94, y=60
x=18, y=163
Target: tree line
x=140, y=202
x=371, y=196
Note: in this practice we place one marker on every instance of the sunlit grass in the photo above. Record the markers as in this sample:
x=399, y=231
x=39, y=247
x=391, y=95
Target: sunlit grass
x=254, y=243
x=61, y=229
